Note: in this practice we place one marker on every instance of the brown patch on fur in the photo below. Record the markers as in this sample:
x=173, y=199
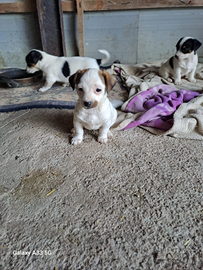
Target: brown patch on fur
x=31, y=65
x=75, y=78
x=94, y=104
x=107, y=79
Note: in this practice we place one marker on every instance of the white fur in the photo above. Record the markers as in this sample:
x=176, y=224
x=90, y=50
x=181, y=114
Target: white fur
x=52, y=67
x=185, y=65
x=101, y=117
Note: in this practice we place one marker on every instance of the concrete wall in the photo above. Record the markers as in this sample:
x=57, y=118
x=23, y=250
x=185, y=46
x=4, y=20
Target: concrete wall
x=142, y=35
x=18, y=34
x=131, y=36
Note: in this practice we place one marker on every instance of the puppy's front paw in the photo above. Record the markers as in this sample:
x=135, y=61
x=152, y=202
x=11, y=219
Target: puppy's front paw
x=177, y=82
x=76, y=140
x=102, y=139
x=192, y=80
x=43, y=89
x=109, y=135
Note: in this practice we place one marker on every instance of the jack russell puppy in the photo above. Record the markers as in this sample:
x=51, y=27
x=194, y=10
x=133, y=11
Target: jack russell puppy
x=93, y=109
x=58, y=69
x=184, y=62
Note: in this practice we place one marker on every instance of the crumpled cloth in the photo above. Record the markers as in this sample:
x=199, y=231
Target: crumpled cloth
x=187, y=120
x=156, y=104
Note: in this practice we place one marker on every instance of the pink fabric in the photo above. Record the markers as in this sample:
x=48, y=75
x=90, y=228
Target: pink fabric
x=158, y=105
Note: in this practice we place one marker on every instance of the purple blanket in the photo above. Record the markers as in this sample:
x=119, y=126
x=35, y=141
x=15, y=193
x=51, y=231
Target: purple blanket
x=158, y=105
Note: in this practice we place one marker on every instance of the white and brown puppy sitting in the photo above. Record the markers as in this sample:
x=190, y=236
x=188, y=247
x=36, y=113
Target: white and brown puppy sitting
x=58, y=69
x=93, y=109
x=184, y=62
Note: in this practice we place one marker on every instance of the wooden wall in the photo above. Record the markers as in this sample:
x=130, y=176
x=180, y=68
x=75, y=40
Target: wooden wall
x=12, y=6
x=132, y=31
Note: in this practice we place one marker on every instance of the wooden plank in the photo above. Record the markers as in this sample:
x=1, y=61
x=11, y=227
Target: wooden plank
x=68, y=6
x=102, y=5
x=81, y=41
x=50, y=18
x=19, y=7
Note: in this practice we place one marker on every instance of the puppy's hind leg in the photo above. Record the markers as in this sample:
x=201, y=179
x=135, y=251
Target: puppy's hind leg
x=165, y=75
x=65, y=84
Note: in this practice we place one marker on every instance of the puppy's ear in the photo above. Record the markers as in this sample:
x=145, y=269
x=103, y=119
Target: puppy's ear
x=75, y=78
x=178, y=44
x=33, y=57
x=108, y=80
x=72, y=79
x=197, y=44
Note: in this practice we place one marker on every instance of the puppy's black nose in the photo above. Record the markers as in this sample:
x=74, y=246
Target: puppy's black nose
x=176, y=56
x=87, y=104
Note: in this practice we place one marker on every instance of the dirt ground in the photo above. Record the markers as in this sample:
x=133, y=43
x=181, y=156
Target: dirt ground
x=134, y=203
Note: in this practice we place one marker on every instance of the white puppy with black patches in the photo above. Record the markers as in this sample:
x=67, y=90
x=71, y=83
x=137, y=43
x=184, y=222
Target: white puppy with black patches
x=93, y=110
x=58, y=69
x=183, y=63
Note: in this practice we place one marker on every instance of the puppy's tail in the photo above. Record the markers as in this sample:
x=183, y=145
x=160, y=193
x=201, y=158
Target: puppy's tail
x=105, y=60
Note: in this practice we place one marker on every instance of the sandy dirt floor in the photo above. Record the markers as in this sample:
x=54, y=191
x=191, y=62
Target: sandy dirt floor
x=134, y=203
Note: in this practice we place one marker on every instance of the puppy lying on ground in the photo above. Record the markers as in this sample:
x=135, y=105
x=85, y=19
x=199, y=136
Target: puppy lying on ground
x=184, y=62
x=93, y=109
x=58, y=69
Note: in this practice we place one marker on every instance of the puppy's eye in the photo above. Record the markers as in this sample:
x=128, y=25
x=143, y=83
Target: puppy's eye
x=98, y=90
x=80, y=89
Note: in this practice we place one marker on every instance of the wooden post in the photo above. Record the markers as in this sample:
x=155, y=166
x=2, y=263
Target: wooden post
x=50, y=17
x=81, y=42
